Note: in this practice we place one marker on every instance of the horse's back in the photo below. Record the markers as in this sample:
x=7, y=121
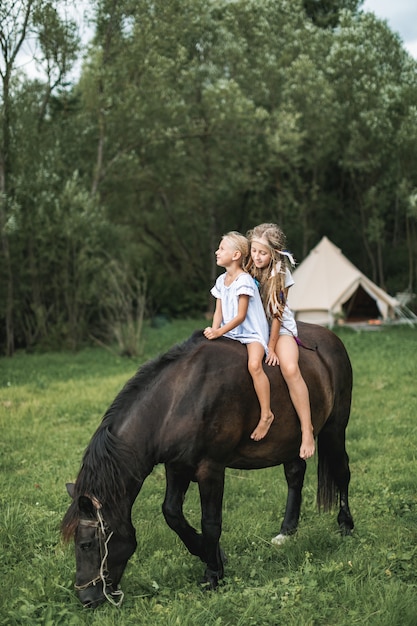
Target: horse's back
x=218, y=369
x=231, y=407
x=326, y=343
x=204, y=404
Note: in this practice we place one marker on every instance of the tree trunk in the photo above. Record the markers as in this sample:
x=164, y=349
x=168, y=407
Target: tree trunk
x=13, y=34
x=5, y=247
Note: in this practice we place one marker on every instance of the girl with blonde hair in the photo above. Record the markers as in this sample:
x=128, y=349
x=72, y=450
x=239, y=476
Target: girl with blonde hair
x=239, y=315
x=269, y=265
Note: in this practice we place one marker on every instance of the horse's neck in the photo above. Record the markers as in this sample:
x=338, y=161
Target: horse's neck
x=142, y=426
x=119, y=512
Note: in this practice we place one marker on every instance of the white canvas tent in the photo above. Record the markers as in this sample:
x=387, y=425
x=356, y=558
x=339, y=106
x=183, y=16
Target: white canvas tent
x=328, y=287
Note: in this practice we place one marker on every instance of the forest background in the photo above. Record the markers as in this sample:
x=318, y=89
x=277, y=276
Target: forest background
x=188, y=119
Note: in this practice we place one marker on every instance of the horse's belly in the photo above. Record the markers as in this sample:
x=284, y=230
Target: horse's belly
x=266, y=453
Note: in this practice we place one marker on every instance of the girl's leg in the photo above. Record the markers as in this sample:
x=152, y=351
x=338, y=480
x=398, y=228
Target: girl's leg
x=256, y=354
x=287, y=351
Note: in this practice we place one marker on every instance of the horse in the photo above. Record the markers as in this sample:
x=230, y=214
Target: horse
x=193, y=409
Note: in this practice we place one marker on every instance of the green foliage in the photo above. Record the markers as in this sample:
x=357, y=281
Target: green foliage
x=190, y=119
x=50, y=405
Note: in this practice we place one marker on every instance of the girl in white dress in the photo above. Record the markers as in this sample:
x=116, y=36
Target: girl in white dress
x=268, y=265
x=240, y=315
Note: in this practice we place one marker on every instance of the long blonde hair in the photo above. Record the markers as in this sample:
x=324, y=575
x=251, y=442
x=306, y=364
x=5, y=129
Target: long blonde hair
x=271, y=278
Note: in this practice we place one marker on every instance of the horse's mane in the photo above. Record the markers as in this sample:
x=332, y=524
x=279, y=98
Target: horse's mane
x=107, y=460
x=146, y=376
x=106, y=463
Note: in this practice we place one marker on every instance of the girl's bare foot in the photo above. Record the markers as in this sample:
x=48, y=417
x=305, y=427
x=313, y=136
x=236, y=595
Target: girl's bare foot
x=308, y=445
x=262, y=427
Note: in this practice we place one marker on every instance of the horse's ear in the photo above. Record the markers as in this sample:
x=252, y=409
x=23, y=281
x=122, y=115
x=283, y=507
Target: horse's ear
x=70, y=489
x=86, y=506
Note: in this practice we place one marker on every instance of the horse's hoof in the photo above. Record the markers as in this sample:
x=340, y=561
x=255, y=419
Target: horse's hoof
x=208, y=585
x=345, y=531
x=279, y=539
x=211, y=579
x=346, y=524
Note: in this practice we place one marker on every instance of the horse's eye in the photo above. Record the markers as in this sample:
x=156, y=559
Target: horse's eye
x=85, y=546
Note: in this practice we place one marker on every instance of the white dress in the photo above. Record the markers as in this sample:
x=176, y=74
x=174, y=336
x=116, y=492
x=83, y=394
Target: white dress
x=255, y=326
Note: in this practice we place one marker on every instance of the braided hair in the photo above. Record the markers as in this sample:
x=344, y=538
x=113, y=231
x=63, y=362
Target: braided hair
x=271, y=278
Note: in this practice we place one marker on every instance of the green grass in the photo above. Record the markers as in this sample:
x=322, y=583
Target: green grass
x=50, y=405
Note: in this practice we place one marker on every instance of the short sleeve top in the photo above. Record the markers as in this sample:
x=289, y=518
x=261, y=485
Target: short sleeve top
x=255, y=326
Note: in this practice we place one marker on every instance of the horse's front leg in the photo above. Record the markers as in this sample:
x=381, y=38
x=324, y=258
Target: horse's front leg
x=294, y=473
x=211, y=485
x=177, y=484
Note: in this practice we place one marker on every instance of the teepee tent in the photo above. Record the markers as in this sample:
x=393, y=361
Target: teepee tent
x=329, y=287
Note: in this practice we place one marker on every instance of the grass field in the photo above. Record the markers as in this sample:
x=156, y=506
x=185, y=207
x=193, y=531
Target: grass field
x=50, y=405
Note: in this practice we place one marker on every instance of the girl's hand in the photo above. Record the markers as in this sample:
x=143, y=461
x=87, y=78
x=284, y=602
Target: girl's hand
x=209, y=333
x=272, y=358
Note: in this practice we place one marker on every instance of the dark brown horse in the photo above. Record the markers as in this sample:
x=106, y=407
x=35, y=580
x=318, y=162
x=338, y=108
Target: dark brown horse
x=194, y=409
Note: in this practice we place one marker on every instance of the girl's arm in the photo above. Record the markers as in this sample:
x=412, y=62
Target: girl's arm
x=272, y=358
x=218, y=315
x=215, y=331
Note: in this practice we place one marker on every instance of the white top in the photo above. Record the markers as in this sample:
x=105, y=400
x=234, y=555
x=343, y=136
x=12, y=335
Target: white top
x=255, y=325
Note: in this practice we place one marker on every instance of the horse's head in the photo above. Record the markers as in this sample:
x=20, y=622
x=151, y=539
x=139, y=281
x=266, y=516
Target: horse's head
x=101, y=554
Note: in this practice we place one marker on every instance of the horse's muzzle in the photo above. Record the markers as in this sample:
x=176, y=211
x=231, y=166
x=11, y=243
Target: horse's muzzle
x=92, y=597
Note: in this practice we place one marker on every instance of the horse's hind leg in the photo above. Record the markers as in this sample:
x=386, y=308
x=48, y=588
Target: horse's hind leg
x=294, y=473
x=334, y=477
x=177, y=484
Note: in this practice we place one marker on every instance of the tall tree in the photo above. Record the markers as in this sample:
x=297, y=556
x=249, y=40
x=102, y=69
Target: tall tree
x=58, y=46
x=373, y=91
x=191, y=118
x=14, y=21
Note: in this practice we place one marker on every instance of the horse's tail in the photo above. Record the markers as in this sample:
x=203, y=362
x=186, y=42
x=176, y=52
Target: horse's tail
x=327, y=489
x=333, y=462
